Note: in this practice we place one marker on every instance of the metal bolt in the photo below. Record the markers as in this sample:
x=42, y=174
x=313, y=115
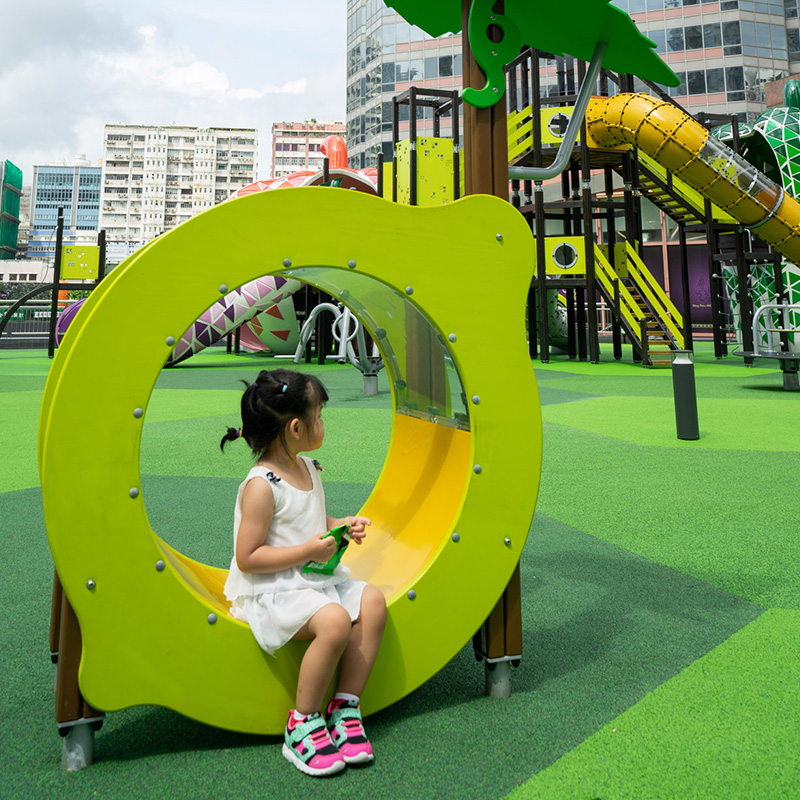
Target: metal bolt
x=412, y=595
x=495, y=89
x=91, y=585
x=160, y=566
x=138, y=413
x=351, y=264
x=409, y=290
x=499, y=237
x=477, y=469
x=452, y=337
x=223, y=289
x=456, y=537
x=507, y=542
x=476, y=401
x=287, y=262
x=134, y=493
x=212, y=619
x=171, y=341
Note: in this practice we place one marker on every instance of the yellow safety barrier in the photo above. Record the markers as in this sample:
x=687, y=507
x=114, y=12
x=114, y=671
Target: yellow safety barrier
x=628, y=307
x=662, y=306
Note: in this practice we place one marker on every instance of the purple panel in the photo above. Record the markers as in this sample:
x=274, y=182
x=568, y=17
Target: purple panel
x=279, y=282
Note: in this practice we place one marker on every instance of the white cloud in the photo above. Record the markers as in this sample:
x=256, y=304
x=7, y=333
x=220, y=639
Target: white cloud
x=178, y=63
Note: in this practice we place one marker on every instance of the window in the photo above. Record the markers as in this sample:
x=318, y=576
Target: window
x=446, y=66
x=793, y=41
x=712, y=35
x=675, y=39
x=715, y=80
x=693, y=37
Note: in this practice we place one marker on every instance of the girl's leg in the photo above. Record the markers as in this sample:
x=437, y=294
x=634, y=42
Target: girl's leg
x=328, y=630
x=365, y=638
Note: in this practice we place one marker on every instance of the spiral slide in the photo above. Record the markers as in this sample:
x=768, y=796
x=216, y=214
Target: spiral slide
x=451, y=508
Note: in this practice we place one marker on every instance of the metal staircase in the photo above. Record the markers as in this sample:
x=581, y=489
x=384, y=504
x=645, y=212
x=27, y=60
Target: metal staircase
x=648, y=316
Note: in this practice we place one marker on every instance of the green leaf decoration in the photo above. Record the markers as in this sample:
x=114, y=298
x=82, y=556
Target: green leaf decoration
x=574, y=27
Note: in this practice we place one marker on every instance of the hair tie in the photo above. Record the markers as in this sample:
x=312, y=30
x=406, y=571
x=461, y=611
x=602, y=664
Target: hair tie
x=239, y=433
x=285, y=387
x=254, y=384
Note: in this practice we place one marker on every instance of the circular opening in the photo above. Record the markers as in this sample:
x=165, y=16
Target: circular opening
x=565, y=256
x=190, y=487
x=557, y=124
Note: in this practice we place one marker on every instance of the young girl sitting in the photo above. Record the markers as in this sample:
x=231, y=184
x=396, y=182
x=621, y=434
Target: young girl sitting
x=280, y=524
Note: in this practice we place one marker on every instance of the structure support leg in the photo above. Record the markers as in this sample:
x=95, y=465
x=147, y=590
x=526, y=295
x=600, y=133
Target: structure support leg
x=77, y=749
x=498, y=679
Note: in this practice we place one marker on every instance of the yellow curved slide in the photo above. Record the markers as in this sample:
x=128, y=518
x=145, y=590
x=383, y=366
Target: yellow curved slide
x=451, y=508
x=682, y=145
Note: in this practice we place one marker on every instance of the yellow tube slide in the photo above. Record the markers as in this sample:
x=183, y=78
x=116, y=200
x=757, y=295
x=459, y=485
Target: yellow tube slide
x=682, y=145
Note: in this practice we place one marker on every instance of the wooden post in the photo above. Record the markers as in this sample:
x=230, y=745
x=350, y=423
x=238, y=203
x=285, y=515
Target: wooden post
x=486, y=172
x=76, y=719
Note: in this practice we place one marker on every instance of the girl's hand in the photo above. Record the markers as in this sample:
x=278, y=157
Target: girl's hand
x=357, y=528
x=321, y=548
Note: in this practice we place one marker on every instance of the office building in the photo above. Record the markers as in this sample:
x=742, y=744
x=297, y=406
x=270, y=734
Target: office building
x=10, y=193
x=154, y=178
x=76, y=189
x=385, y=56
x=295, y=145
x=724, y=52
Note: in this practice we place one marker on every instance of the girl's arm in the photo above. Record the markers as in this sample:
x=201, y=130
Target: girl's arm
x=357, y=525
x=252, y=555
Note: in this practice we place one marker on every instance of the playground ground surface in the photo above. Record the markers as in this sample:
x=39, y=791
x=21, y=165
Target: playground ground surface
x=661, y=602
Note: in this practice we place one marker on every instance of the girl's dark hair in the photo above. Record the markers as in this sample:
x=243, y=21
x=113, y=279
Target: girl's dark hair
x=276, y=397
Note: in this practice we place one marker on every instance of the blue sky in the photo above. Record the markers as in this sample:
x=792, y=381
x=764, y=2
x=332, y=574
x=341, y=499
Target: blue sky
x=67, y=68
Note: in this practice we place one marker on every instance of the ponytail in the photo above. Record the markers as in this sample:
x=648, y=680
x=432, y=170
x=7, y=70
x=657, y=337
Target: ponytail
x=232, y=435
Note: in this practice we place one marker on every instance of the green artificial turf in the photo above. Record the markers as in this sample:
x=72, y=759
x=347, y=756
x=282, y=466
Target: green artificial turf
x=727, y=726
x=645, y=581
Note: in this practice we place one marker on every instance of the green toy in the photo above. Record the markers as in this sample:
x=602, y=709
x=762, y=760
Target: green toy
x=340, y=533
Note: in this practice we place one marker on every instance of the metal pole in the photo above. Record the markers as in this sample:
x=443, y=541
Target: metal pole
x=51, y=339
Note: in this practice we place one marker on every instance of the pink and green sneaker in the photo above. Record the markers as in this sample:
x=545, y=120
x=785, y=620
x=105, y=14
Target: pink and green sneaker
x=307, y=744
x=347, y=731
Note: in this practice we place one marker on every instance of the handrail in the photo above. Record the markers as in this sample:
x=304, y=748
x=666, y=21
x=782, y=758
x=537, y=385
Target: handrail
x=19, y=303
x=632, y=313
x=786, y=308
x=661, y=305
x=573, y=126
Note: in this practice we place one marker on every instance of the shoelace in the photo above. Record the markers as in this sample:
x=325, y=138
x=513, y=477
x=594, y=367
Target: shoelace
x=320, y=738
x=353, y=727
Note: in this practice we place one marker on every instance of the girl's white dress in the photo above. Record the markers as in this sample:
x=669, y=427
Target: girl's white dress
x=276, y=605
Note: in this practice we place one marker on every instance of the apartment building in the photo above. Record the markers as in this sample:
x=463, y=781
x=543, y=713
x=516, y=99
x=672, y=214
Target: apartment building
x=75, y=189
x=295, y=145
x=385, y=56
x=154, y=178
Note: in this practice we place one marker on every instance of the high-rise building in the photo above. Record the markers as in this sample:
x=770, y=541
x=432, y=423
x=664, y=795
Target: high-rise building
x=154, y=178
x=385, y=56
x=295, y=145
x=723, y=52
x=10, y=192
x=74, y=188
